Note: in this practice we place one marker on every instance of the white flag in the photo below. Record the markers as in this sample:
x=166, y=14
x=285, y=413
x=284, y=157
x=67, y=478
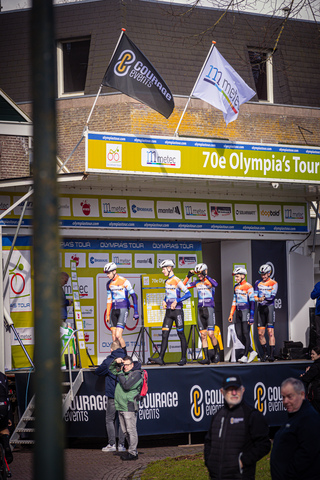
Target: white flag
x=221, y=86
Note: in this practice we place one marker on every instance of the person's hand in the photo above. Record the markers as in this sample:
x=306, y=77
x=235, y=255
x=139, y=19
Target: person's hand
x=9, y=423
x=136, y=316
x=230, y=318
x=173, y=304
x=164, y=304
x=119, y=360
x=261, y=299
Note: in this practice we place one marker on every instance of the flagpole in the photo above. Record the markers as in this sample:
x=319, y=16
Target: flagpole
x=99, y=91
x=194, y=86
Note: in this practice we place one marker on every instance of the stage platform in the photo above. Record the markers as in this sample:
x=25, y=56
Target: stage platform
x=179, y=400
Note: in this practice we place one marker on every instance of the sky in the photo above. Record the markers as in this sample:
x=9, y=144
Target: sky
x=256, y=6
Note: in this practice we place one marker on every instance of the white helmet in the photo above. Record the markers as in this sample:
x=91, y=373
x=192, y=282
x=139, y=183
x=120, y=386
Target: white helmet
x=166, y=263
x=109, y=267
x=265, y=268
x=200, y=267
x=239, y=271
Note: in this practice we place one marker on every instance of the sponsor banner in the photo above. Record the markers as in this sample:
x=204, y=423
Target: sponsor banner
x=294, y=213
x=152, y=157
x=87, y=311
x=246, y=212
x=98, y=260
x=85, y=207
x=165, y=256
x=78, y=257
x=187, y=261
x=270, y=213
x=29, y=208
x=180, y=401
x=169, y=210
x=114, y=155
x=207, y=158
x=153, y=214
x=221, y=212
x=88, y=323
x=5, y=203
x=89, y=336
x=195, y=211
x=114, y=208
x=144, y=260
x=26, y=336
x=86, y=287
x=19, y=280
x=64, y=208
x=122, y=260
x=141, y=208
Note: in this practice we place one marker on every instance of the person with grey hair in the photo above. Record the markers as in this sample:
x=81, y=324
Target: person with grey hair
x=296, y=448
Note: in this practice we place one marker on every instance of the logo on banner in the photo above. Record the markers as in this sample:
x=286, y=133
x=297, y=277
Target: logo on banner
x=187, y=261
x=86, y=208
x=260, y=398
x=169, y=209
x=294, y=213
x=160, y=158
x=196, y=400
x=221, y=212
x=196, y=210
x=114, y=155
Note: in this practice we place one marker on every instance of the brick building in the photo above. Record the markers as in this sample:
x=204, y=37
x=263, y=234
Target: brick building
x=285, y=110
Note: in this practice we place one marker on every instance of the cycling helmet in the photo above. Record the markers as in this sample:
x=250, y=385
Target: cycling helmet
x=200, y=267
x=109, y=267
x=166, y=263
x=265, y=269
x=239, y=271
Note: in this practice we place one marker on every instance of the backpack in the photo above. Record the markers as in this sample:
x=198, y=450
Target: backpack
x=144, y=388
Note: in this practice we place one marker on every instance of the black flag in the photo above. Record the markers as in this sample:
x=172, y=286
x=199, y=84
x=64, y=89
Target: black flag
x=131, y=73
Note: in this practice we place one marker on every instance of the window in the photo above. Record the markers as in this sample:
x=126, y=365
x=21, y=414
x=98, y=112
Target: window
x=261, y=65
x=72, y=60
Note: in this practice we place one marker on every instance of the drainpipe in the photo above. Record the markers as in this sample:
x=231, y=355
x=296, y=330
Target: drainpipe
x=48, y=453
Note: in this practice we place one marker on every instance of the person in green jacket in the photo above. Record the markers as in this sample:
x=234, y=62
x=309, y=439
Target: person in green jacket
x=126, y=400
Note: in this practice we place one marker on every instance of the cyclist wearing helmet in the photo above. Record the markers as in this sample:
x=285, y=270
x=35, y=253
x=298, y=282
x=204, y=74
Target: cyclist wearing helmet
x=206, y=316
x=243, y=304
x=118, y=291
x=265, y=291
x=172, y=303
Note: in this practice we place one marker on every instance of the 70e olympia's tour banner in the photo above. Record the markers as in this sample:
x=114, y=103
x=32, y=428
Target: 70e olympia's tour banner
x=109, y=152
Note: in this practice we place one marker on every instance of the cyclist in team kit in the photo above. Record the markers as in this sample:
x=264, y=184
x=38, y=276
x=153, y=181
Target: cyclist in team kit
x=265, y=291
x=243, y=305
x=206, y=315
x=118, y=305
x=172, y=303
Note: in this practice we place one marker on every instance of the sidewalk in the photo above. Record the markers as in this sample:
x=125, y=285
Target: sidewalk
x=93, y=464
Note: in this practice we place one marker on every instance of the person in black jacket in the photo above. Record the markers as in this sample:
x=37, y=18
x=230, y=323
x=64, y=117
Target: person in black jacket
x=311, y=378
x=110, y=386
x=296, y=447
x=238, y=436
x=6, y=417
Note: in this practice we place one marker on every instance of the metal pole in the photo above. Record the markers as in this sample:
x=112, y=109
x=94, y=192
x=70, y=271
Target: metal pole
x=49, y=434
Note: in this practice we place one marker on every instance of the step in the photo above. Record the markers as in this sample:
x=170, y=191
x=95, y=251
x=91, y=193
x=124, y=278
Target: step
x=25, y=430
x=22, y=442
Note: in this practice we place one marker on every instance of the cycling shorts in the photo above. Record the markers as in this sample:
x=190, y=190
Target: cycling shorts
x=206, y=318
x=176, y=316
x=242, y=315
x=266, y=316
x=118, y=317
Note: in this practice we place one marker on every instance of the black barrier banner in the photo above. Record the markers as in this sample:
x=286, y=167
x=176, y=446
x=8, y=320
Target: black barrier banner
x=183, y=400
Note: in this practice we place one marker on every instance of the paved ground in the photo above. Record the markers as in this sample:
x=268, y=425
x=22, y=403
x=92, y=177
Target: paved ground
x=93, y=464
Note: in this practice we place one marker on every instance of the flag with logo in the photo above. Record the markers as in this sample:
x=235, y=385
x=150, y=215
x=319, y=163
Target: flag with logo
x=221, y=86
x=130, y=72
